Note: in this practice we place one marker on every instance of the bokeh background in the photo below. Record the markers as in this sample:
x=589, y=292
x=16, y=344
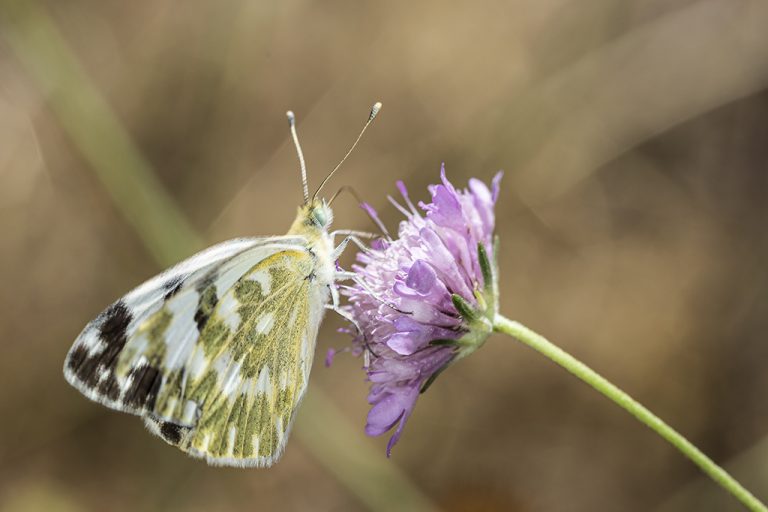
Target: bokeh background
x=632, y=216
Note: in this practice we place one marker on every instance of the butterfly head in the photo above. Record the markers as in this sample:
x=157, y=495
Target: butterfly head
x=318, y=214
x=315, y=216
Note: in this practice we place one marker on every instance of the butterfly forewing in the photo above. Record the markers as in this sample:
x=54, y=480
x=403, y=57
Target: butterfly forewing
x=91, y=361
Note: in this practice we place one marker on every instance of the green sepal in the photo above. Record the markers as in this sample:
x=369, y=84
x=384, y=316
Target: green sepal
x=485, y=267
x=482, y=305
x=464, y=308
x=495, y=262
x=445, y=343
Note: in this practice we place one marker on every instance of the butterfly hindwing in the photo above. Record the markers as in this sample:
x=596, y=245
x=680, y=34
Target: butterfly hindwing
x=234, y=400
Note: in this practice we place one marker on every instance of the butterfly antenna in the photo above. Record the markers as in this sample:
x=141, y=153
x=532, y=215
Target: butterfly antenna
x=294, y=135
x=374, y=112
x=346, y=188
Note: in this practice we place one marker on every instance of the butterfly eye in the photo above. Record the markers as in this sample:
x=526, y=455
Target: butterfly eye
x=319, y=217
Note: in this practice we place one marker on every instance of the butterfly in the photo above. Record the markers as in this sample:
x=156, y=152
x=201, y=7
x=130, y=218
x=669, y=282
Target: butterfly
x=215, y=353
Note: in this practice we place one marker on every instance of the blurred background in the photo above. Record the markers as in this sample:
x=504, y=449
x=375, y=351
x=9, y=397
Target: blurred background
x=632, y=217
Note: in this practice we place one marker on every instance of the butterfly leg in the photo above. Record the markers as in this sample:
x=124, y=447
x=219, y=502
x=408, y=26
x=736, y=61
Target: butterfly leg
x=353, y=232
x=343, y=245
x=343, y=275
x=336, y=308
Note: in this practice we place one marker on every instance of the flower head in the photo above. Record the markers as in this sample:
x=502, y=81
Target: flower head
x=425, y=299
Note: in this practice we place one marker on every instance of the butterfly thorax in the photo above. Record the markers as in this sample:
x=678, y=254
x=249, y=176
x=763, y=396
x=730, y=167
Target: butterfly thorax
x=312, y=222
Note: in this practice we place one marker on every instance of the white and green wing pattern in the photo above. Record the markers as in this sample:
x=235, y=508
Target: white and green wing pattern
x=215, y=353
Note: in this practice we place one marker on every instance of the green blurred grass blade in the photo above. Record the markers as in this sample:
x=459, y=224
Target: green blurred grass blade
x=139, y=196
x=97, y=133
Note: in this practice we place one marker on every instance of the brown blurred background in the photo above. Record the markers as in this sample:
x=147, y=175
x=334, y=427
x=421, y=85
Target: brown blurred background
x=632, y=216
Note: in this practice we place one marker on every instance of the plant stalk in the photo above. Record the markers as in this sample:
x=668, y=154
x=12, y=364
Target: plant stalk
x=636, y=409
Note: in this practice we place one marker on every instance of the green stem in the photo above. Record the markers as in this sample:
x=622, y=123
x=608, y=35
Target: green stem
x=588, y=375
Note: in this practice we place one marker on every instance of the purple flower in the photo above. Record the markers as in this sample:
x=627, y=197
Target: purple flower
x=425, y=299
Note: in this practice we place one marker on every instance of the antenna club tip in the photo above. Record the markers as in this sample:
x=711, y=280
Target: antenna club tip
x=291, y=116
x=375, y=110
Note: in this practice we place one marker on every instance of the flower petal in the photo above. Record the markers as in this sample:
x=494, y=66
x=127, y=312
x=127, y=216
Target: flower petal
x=403, y=344
x=421, y=277
x=329, y=356
x=388, y=411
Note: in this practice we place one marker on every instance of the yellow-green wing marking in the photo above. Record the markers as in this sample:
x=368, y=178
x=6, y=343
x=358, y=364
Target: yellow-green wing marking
x=233, y=400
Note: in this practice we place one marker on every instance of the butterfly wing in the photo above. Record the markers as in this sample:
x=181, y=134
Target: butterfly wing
x=233, y=402
x=180, y=346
